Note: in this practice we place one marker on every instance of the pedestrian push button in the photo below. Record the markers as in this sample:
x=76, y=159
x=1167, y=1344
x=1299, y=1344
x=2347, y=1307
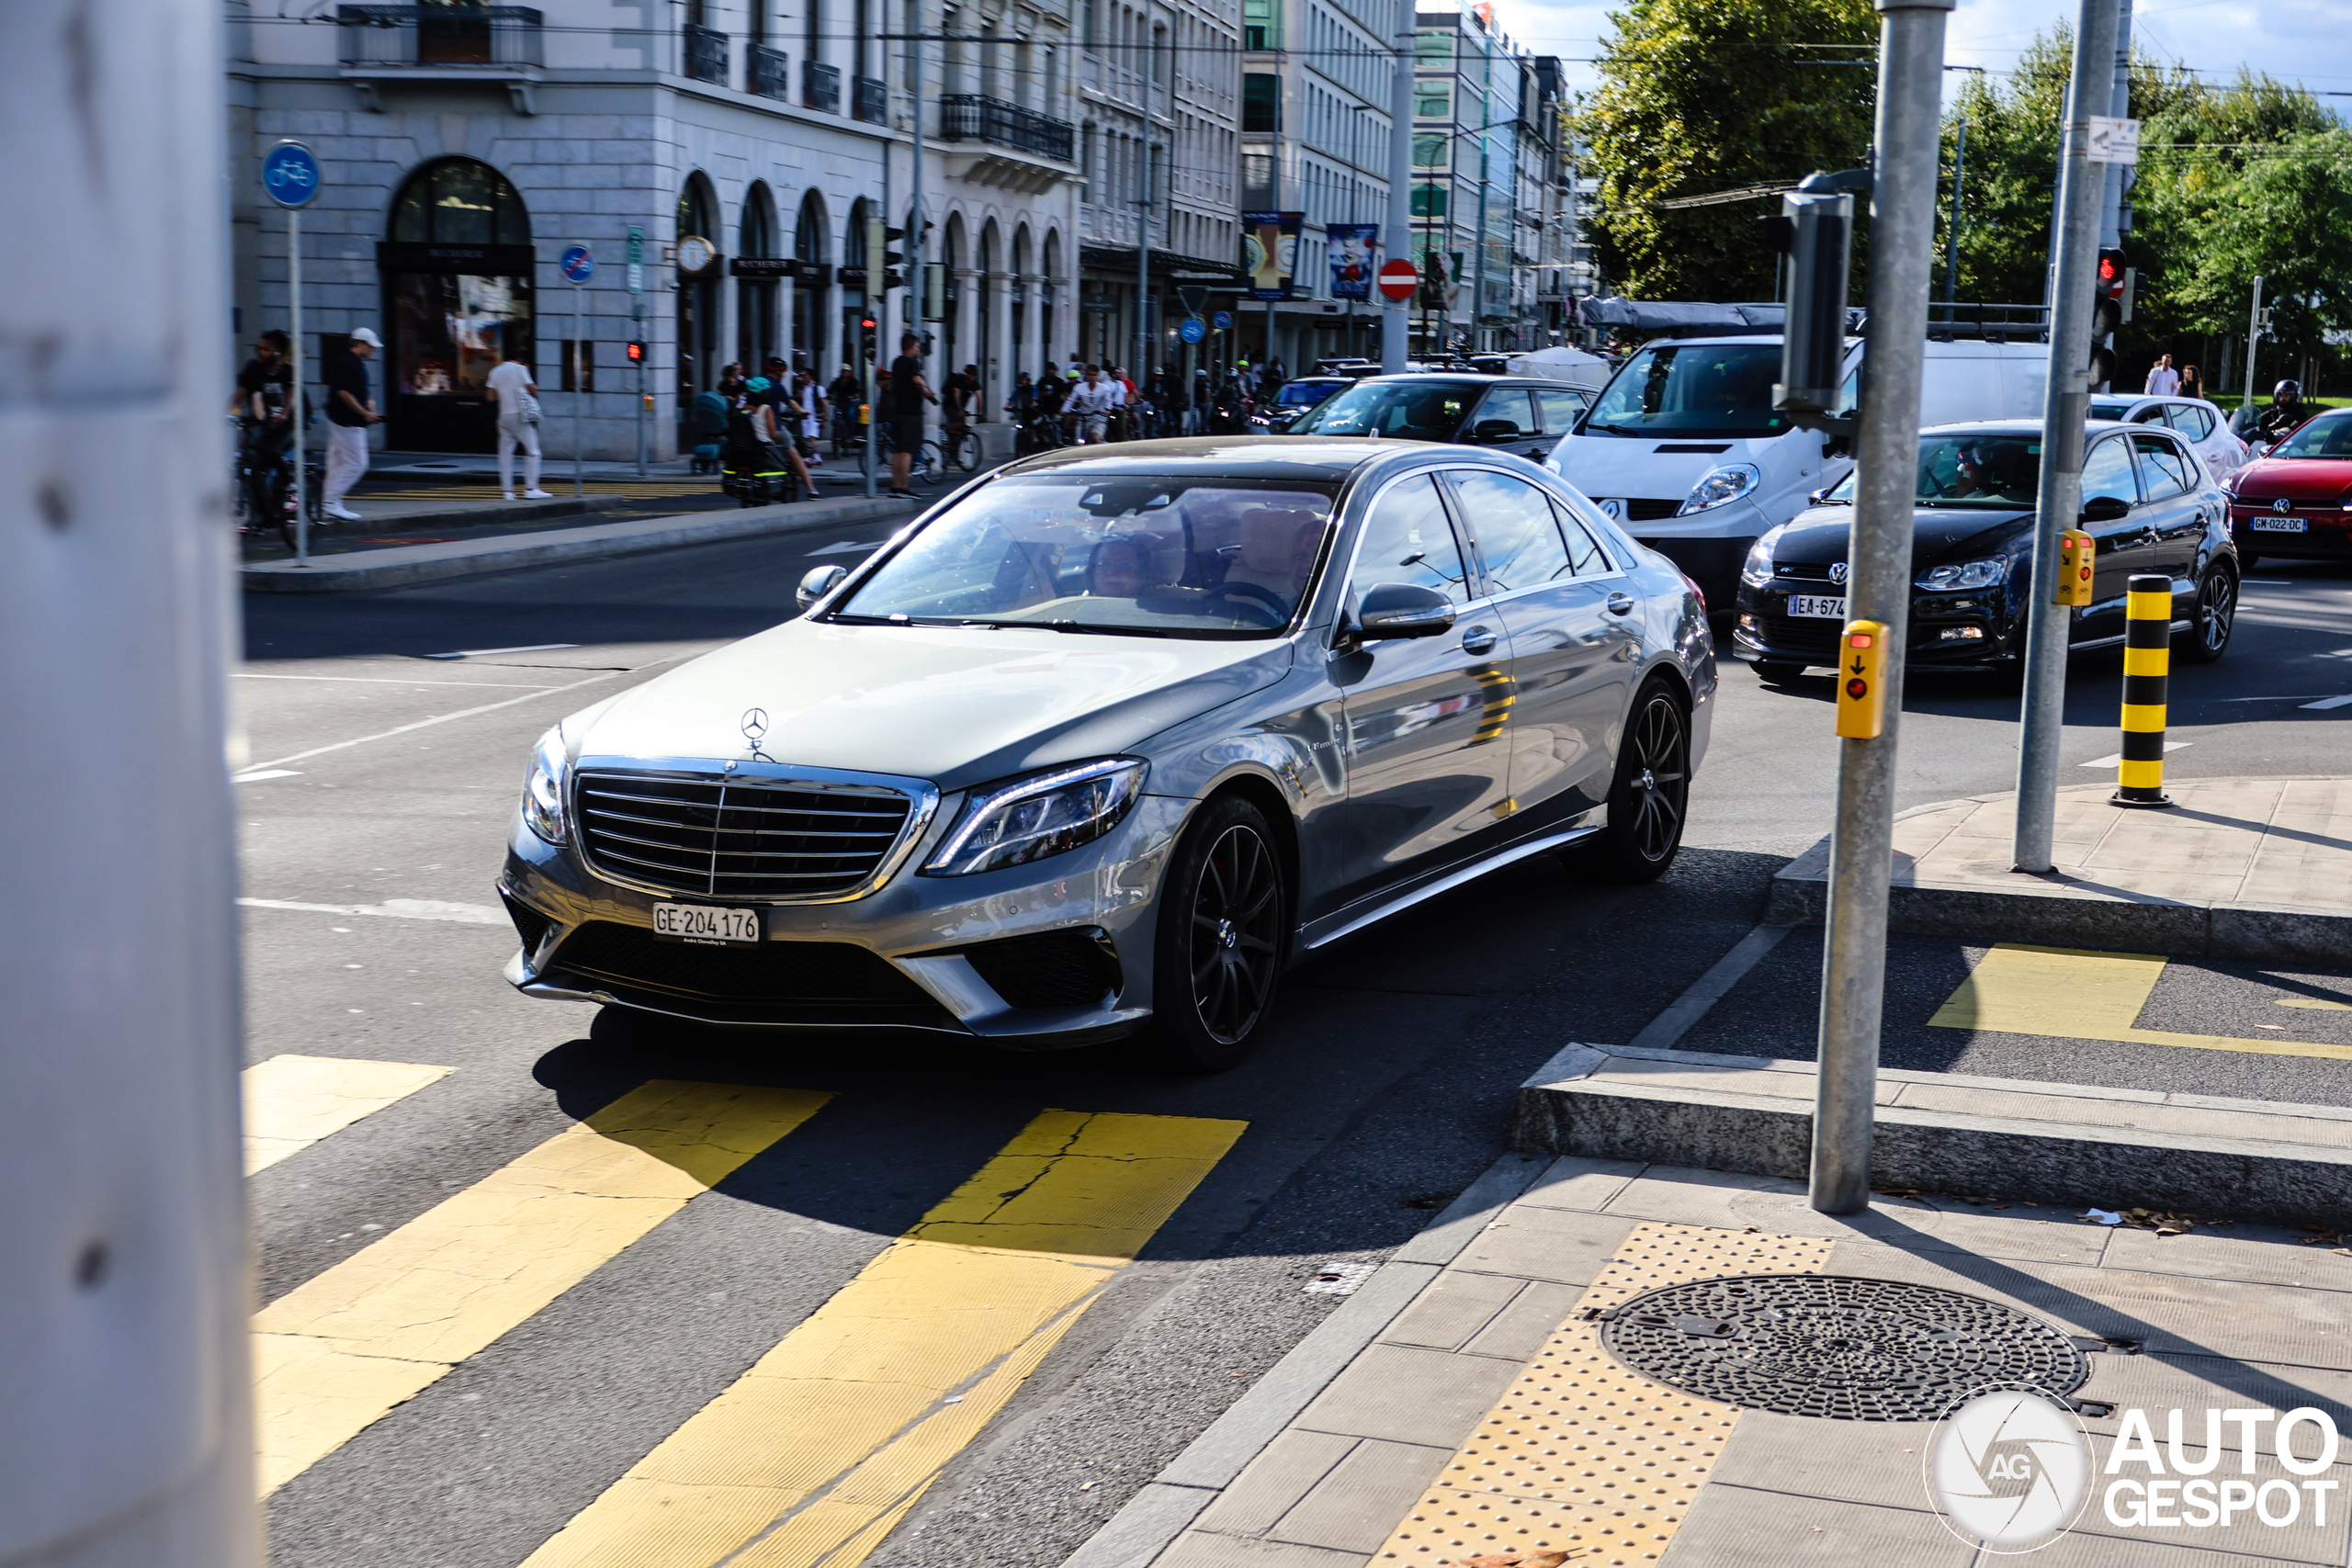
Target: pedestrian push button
x=1861, y=691
x=2075, y=549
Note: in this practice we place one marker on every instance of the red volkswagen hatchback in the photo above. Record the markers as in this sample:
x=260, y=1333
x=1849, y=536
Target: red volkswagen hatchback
x=2295, y=503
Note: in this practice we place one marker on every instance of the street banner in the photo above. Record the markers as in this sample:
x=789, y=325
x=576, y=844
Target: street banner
x=1354, y=253
x=1270, y=252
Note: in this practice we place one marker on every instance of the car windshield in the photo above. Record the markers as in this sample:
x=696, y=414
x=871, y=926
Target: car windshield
x=1406, y=410
x=2320, y=438
x=2110, y=411
x=1991, y=471
x=1711, y=388
x=1133, y=555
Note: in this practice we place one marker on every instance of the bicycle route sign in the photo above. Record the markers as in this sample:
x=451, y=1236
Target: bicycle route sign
x=290, y=175
x=1191, y=331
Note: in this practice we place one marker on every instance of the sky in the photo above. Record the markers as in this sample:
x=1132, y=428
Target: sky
x=2297, y=40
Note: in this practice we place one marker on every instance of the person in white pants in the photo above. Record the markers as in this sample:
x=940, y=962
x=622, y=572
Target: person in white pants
x=350, y=411
x=517, y=396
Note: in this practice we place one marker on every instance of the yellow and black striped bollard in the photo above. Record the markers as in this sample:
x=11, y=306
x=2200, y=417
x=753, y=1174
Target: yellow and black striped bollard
x=2147, y=665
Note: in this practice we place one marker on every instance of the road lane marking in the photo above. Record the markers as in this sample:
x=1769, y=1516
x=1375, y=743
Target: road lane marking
x=393, y=909
x=336, y=1353
x=840, y=546
x=389, y=680
x=2331, y=702
x=818, y=1450
x=486, y=652
x=267, y=774
x=293, y=1101
x=445, y=719
x=1579, y=1455
x=2113, y=758
x=2066, y=992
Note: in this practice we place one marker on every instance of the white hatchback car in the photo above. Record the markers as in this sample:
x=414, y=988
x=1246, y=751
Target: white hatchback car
x=2204, y=427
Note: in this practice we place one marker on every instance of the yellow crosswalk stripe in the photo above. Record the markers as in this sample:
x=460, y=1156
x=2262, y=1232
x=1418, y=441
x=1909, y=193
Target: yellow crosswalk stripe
x=2071, y=994
x=293, y=1101
x=813, y=1455
x=336, y=1353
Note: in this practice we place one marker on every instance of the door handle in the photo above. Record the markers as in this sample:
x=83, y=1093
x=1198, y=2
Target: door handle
x=1620, y=604
x=1478, y=640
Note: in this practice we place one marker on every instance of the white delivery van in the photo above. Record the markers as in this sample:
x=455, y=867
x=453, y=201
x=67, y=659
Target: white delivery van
x=1684, y=448
x=1587, y=372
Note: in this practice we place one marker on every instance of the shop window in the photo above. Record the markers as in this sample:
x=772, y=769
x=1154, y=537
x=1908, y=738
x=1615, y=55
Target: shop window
x=586, y=362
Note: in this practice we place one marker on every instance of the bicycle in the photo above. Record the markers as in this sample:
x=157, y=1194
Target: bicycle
x=929, y=466
x=960, y=450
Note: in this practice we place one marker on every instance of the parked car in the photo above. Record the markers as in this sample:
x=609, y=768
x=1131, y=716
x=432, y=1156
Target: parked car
x=1105, y=741
x=1685, y=446
x=1520, y=414
x=2294, y=503
x=2146, y=502
x=2204, y=427
x=1275, y=415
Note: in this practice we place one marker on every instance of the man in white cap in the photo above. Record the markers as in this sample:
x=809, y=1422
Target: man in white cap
x=350, y=411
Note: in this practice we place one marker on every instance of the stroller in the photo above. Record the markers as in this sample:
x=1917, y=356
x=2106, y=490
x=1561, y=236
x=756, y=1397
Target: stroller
x=709, y=413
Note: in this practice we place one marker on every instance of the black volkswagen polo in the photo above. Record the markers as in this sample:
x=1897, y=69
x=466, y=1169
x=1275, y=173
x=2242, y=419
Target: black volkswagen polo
x=2148, y=502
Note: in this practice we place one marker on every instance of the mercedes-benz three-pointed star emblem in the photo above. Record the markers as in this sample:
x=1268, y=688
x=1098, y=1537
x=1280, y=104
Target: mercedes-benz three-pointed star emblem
x=1837, y=572
x=756, y=725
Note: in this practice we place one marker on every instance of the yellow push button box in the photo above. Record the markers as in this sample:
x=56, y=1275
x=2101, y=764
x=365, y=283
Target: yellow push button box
x=1861, y=695
x=2075, y=549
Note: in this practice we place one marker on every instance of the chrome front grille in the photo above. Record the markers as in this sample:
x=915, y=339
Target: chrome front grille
x=738, y=839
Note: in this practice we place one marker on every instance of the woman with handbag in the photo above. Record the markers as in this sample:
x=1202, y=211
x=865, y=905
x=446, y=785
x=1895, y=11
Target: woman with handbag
x=517, y=396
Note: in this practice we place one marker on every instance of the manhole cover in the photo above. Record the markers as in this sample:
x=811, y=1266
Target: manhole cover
x=1834, y=1345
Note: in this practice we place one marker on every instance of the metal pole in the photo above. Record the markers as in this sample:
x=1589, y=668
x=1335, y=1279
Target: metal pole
x=1902, y=241
x=126, y=1431
x=2065, y=406
x=301, y=436
x=637, y=315
x=579, y=397
x=2253, y=339
x=1959, y=168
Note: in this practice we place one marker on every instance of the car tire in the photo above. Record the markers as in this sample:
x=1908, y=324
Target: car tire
x=1776, y=670
x=1223, y=938
x=1649, y=794
x=2210, y=624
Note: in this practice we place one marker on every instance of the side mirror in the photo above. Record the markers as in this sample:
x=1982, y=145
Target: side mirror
x=1403, y=610
x=2105, y=509
x=819, y=582
x=1817, y=497
x=1491, y=431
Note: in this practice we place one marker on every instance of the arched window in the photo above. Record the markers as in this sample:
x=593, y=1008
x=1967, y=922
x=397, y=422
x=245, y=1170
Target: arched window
x=756, y=302
x=458, y=201
x=810, y=237
x=698, y=350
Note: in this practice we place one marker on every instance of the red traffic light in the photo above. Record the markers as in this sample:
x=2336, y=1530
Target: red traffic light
x=867, y=322
x=636, y=354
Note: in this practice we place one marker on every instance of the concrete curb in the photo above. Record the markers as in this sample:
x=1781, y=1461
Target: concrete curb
x=1156, y=1515
x=2051, y=912
x=501, y=511
x=402, y=566
x=2056, y=1143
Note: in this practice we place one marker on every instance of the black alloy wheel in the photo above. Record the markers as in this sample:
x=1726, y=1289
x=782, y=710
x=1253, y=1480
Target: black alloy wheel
x=1649, y=796
x=2216, y=612
x=1224, y=914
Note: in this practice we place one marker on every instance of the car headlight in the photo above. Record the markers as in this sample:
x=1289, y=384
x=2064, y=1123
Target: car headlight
x=1965, y=574
x=1757, y=569
x=1724, y=485
x=1028, y=819
x=543, y=811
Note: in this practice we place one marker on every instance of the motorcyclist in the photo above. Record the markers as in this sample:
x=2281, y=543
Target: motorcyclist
x=2286, y=412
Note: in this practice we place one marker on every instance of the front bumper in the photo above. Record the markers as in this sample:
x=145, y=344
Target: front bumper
x=1975, y=630
x=1069, y=938
x=2329, y=536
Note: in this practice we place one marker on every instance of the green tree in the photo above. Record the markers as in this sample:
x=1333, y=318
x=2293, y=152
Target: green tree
x=1703, y=96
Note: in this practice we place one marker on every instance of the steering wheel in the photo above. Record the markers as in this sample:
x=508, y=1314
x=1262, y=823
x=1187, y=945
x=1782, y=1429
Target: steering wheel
x=1257, y=597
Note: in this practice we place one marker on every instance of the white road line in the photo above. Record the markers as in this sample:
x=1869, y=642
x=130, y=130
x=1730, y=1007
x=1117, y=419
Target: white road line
x=1710, y=987
x=2116, y=759
x=838, y=547
x=462, y=713
x=267, y=774
x=389, y=680
x=486, y=652
x=2303, y=696
x=2330, y=702
x=392, y=908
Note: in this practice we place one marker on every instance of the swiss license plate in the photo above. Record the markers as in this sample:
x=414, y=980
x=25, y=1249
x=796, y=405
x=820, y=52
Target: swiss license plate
x=703, y=923
x=1820, y=607
x=2279, y=524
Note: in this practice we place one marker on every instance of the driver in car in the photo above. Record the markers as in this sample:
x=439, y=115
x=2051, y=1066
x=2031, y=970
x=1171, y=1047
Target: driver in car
x=1120, y=568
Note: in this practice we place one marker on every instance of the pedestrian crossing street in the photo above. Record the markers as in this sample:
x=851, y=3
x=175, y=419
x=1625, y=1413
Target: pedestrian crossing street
x=822, y=1445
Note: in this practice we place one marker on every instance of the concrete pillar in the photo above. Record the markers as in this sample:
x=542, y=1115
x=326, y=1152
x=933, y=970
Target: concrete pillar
x=1000, y=352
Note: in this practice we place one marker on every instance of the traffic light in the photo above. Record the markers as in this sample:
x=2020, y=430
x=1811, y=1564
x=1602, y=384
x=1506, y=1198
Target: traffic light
x=636, y=353
x=1818, y=229
x=2107, y=314
x=892, y=259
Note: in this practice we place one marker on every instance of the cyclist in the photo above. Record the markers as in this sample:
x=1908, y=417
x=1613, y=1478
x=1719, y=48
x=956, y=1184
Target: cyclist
x=845, y=394
x=263, y=406
x=1093, y=401
x=1052, y=392
x=784, y=415
x=957, y=395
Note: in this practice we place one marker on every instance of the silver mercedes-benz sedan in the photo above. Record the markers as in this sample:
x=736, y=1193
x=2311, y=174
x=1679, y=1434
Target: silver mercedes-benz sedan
x=1100, y=744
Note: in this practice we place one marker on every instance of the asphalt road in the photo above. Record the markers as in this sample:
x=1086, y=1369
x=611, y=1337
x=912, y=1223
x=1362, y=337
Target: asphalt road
x=1384, y=1090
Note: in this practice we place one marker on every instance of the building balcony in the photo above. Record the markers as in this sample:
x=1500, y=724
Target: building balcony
x=821, y=87
x=478, y=38
x=766, y=73
x=706, y=53
x=871, y=101
x=968, y=116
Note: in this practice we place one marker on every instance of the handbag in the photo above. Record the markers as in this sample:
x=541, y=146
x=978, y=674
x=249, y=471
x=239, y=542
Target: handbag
x=530, y=408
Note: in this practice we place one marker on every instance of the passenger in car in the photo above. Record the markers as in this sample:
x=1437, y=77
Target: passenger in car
x=1278, y=547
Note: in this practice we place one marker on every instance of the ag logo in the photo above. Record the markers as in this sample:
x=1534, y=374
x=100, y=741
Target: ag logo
x=2009, y=1469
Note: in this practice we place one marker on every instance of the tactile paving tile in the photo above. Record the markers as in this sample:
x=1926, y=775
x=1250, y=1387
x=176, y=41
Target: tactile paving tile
x=1580, y=1455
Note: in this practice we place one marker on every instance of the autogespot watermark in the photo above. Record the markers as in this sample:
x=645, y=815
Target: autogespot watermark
x=2009, y=1469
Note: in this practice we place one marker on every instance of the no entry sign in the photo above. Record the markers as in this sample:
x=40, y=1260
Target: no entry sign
x=1397, y=278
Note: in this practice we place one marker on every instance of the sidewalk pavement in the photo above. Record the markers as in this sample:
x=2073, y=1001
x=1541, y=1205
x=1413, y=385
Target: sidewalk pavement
x=1464, y=1407
x=2237, y=868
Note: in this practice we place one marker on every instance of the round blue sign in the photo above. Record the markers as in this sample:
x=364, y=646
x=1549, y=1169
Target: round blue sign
x=578, y=266
x=1191, y=331
x=1222, y=321
x=290, y=175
